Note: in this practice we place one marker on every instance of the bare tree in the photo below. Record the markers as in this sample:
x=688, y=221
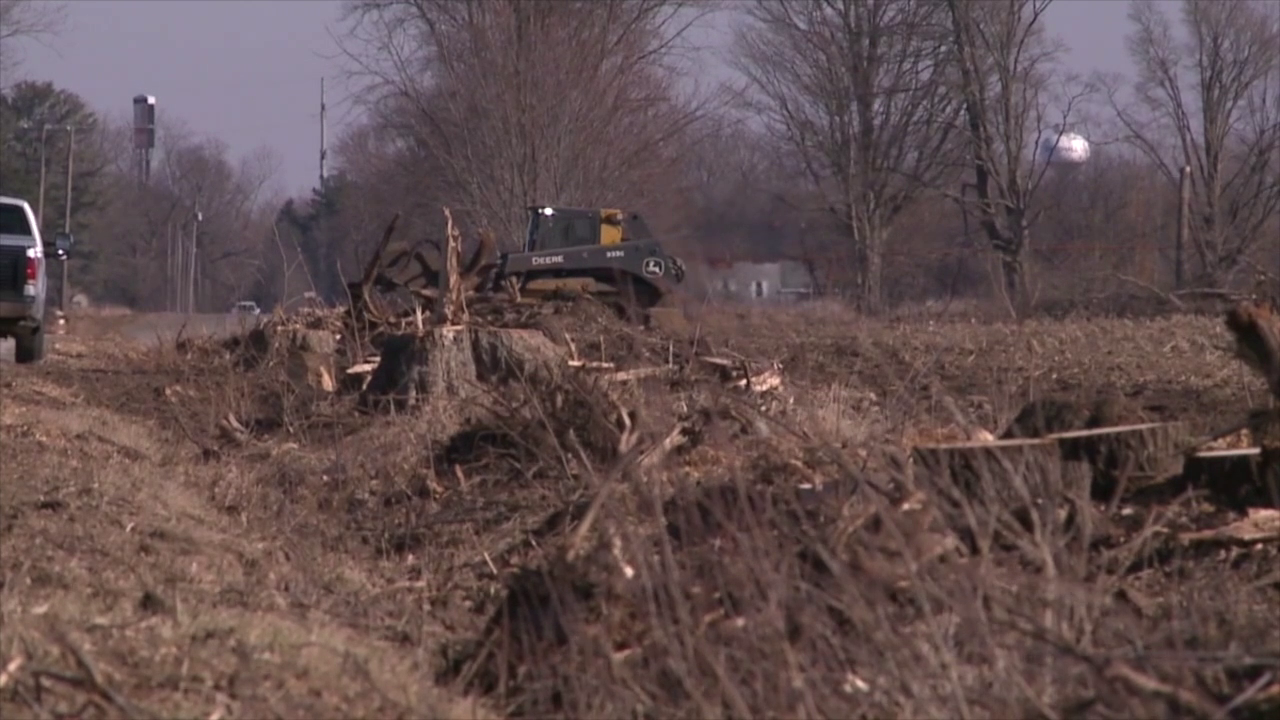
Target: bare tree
x=523, y=102
x=1006, y=75
x=26, y=20
x=137, y=234
x=732, y=179
x=1210, y=100
x=858, y=90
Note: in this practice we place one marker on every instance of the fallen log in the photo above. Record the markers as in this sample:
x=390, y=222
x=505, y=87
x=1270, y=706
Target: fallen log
x=1124, y=458
x=636, y=374
x=1259, y=525
x=1010, y=489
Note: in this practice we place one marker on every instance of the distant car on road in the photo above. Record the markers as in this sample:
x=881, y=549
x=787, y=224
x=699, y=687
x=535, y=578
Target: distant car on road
x=24, y=279
x=246, y=307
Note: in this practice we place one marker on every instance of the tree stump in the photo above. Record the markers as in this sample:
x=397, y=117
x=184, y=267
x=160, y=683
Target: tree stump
x=1270, y=471
x=1233, y=475
x=442, y=371
x=1264, y=425
x=1045, y=416
x=322, y=342
x=449, y=371
x=1009, y=490
x=309, y=358
x=310, y=371
x=393, y=383
x=516, y=355
x=1124, y=458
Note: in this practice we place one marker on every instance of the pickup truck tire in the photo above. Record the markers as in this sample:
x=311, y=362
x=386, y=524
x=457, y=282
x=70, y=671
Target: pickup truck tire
x=29, y=349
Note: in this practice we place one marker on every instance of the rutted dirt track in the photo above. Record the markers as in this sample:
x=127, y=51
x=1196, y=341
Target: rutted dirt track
x=112, y=540
x=149, y=328
x=346, y=568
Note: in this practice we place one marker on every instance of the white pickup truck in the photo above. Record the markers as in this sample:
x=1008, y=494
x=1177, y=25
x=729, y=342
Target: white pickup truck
x=24, y=278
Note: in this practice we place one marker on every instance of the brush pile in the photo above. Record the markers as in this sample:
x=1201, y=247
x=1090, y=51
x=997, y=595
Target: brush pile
x=628, y=524
x=455, y=359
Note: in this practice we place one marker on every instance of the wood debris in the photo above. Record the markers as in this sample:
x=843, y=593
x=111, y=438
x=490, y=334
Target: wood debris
x=1259, y=525
x=739, y=373
x=364, y=367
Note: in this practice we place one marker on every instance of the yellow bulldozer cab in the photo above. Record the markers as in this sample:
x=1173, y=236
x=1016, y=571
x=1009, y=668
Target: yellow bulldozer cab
x=610, y=227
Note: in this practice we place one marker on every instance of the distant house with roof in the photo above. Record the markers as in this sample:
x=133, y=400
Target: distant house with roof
x=755, y=281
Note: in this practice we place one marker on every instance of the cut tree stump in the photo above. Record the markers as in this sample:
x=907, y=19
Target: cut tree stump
x=516, y=355
x=442, y=372
x=323, y=342
x=1124, y=458
x=1264, y=425
x=309, y=358
x=1045, y=416
x=433, y=373
x=394, y=381
x=310, y=371
x=448, y=374
x=1233, y=474
x=989, y=490
x=1271, y=474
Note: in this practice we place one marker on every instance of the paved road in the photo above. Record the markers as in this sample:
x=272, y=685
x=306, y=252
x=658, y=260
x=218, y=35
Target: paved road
x=147, y=328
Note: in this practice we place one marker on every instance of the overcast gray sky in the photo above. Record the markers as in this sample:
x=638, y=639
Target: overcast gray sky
x=248, y=71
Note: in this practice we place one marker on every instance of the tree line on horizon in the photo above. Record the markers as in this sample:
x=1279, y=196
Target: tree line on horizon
x=887, y=144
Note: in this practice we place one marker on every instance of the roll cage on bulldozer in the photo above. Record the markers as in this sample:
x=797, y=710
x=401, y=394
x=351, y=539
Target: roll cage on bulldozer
x=552, y=228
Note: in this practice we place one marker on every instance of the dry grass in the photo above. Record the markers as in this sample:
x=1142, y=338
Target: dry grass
x=784, y=562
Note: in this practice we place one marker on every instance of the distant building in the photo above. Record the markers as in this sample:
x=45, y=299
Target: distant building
x=779, y=281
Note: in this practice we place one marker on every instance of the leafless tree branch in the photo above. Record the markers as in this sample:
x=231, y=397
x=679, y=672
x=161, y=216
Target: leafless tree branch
x=38, y=20
x=1207, y=96
x=517, y=103
x=1006, y=75
x=857, y=90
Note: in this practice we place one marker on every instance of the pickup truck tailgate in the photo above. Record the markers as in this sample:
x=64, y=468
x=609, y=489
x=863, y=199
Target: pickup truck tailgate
x=13, y=271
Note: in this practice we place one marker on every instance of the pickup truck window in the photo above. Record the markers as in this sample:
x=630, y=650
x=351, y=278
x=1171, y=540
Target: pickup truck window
x=13, y=221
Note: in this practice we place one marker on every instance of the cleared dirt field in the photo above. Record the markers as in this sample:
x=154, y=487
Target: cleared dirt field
x=323, y=562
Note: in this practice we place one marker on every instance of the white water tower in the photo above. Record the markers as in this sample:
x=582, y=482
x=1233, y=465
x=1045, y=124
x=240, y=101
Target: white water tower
x=1063, y=149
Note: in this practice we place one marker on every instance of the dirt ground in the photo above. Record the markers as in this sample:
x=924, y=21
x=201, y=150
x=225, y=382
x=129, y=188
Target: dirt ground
x=340, y=564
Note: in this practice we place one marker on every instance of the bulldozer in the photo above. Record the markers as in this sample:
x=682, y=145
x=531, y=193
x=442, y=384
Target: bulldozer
x=606, y=253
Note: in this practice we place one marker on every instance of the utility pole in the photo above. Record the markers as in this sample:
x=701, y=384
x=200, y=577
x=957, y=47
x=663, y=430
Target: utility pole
x=66, y=219
x=324, y=147
x=1184, y=225
x=191, y=278
x=44, y=139
x=168, y=267
x=179, y=267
